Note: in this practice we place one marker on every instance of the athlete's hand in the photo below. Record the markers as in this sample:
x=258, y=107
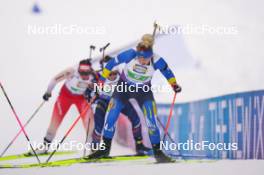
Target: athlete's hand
x=46, y=96
x=88, y=94
x=177, y=88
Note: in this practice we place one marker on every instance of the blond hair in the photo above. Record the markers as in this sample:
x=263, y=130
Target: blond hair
x=147, y=40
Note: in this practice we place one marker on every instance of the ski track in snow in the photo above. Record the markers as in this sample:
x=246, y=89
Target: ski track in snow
x=221, y=167
x=148, y=166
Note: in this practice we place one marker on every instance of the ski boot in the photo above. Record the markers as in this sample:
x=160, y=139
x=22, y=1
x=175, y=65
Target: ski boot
x=160, y=156
x=142, y=150
x=95, y=146
x=102, y=153
x=43, y=149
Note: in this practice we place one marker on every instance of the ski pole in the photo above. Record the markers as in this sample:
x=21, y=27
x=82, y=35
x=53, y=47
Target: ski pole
x=92, y=47
x=86, y=138
x=102, y=49
x=87, y=132
x=156, y=26
x=19, y=122
x=70, y=129
x=20, y=131
x=171, y=139
x=169, y=118
x=162, y=126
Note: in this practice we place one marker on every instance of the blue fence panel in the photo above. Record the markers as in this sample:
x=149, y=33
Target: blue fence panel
x=230, y=119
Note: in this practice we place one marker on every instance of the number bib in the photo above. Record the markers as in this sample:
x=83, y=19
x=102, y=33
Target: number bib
x=76, y=85
x=138, y=73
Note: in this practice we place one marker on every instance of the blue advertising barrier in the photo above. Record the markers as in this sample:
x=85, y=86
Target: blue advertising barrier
x=229, y=126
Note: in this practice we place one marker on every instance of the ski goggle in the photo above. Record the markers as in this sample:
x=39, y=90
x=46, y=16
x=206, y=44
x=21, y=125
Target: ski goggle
x=84, y=69
x=84, y=73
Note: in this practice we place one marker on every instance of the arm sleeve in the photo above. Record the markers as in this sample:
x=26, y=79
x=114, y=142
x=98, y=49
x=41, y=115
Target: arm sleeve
x=123, y=57
x=59, y=77
x=165, y=70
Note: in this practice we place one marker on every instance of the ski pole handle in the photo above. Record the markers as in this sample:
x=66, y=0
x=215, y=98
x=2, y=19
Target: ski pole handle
x=103, y=48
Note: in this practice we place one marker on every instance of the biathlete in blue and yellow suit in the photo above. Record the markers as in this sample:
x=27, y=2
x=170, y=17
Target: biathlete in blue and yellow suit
x=103, y=98
x=140, y=65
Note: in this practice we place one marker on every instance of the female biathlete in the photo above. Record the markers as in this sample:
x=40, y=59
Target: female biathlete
x=140, y=65
x=77, y=80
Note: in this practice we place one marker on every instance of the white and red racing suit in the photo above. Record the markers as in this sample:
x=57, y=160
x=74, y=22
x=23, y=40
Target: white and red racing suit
x=71, y=93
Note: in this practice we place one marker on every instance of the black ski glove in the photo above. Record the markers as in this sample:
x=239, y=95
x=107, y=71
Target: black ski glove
x=177, y=88
x=89, y=94
x=46, y=96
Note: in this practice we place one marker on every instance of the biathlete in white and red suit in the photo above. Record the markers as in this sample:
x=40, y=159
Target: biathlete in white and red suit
x=76, y=80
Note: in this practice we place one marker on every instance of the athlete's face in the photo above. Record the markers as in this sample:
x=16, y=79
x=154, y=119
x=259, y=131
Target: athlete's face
x=85, y=74
x=143, y=61
x=84, y=71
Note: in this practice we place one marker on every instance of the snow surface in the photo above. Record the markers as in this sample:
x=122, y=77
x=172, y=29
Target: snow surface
x=241, y=167
x=227, y=63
